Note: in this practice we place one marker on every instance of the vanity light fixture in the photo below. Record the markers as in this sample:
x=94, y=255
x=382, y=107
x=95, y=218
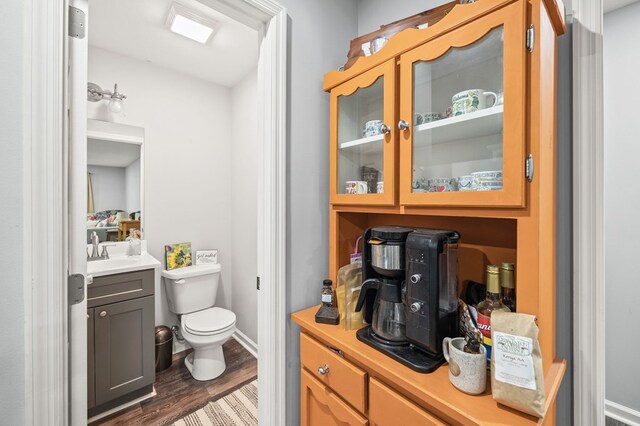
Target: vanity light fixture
x=96, y=94
x=190, y=24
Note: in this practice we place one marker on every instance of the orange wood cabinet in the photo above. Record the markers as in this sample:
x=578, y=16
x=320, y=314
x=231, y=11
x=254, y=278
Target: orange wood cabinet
x=344, y=381
x=393, y=148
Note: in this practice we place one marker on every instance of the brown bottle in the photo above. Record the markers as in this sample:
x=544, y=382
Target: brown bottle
x=489, y=304
x=507, y=283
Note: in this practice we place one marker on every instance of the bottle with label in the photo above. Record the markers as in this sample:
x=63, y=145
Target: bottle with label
x=507, y=283
x=489, y=304
x=327, y=293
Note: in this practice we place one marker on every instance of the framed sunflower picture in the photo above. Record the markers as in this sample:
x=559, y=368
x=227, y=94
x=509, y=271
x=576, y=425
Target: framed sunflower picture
x=177, y=255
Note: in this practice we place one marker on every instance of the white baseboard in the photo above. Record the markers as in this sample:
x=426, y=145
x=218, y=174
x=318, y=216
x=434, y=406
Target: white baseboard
x=247, y=343
x=621, y=413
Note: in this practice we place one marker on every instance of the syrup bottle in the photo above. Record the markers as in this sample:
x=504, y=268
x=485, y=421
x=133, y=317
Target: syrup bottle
x=508, y=286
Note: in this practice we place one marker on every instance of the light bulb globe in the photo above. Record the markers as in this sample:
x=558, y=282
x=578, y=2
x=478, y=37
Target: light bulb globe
x=115, y=106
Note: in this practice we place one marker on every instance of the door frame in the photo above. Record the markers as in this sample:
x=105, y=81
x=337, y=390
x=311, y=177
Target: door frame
x=44, y=264
x=588, y=216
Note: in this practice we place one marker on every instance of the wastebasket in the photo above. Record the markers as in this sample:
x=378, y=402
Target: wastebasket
x=164, y=347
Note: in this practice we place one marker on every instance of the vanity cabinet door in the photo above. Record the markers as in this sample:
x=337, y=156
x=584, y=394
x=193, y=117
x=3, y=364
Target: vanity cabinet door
x=124, y=348
x=91, y=380
x=319, y=406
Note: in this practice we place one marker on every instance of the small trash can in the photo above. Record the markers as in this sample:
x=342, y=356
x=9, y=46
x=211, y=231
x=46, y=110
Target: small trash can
x=164, y=347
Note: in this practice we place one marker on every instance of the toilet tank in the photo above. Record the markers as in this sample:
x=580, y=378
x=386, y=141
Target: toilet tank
x=192, y=288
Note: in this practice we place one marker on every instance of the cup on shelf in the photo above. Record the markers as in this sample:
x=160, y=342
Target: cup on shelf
x=430, y=117
x=372, y=128
x=380, y=187
x=472, y=100
x=418, y=119
x=488, y=180
x=442, y=185
x=356, y=187
x=467, y=371
x=465, y=183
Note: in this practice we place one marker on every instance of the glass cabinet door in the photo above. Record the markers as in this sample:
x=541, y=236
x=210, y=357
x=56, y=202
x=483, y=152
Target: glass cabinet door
x=362, y=138
x=462, y=114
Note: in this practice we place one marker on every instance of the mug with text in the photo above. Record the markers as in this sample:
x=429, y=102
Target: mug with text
x=472, y=100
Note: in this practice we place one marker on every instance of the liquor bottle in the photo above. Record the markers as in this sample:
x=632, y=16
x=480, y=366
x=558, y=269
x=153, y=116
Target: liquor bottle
x=489, y=304
x=508, y=286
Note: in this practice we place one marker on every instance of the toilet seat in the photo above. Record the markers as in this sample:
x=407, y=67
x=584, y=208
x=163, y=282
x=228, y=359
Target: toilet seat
x=209, y=321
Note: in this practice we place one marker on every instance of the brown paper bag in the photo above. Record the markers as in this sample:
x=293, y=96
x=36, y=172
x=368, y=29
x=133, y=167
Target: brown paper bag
x=517, y=378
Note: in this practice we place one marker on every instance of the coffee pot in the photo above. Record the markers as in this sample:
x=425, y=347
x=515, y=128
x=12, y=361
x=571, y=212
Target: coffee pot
x=388, y=319
x=383, y=258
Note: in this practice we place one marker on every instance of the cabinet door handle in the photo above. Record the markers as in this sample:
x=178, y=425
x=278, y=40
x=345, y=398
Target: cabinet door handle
x=103, y=314
x=385, y=129
x=403, y=125
x=323, y=370
x=88, y=316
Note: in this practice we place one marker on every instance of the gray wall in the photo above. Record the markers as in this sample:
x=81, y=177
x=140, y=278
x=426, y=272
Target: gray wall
x=372, y=14
x=622, y=203
x=12, y=336
x=319, y=35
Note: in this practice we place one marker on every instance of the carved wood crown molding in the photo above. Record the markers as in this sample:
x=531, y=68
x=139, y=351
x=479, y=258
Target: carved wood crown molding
x=408, y=39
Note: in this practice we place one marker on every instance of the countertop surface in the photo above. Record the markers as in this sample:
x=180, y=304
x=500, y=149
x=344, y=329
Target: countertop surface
x=432, y=391
x=119, y=262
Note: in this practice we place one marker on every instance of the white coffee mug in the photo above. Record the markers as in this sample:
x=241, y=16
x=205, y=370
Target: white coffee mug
x=357, y=187
x=380, y=187
x=467, y=371
x=471, y=100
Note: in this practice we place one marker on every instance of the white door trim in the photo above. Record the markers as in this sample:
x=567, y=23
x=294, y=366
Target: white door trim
x=44, y=266
x=45, y=261
x=588, y=208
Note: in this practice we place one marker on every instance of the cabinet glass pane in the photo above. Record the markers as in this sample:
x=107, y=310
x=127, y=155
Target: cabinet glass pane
x=457, y=118
x=361, y=141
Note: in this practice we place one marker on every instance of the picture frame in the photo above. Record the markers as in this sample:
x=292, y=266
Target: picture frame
x=177, y=255
x=206, y=256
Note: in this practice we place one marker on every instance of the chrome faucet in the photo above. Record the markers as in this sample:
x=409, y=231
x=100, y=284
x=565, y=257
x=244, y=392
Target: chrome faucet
x=95, y=243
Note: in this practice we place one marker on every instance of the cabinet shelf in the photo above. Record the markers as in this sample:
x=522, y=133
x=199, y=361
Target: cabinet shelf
x=485, y=122
x=366, y=145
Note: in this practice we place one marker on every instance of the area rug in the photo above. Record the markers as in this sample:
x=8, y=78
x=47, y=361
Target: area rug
x=239, y=408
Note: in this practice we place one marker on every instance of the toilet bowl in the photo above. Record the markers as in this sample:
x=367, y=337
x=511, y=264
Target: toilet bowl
x=206, y=331
x=191, y=293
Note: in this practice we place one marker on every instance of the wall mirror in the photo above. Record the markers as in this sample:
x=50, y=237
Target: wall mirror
x=115, y=180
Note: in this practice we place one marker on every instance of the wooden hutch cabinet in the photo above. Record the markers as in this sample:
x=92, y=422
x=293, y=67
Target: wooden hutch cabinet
x=501, y=56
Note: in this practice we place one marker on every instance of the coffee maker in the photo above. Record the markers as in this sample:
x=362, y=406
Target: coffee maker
x=413, y=271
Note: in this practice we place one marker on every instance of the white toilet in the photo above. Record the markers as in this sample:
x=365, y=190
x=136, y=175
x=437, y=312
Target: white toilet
x=191, y=292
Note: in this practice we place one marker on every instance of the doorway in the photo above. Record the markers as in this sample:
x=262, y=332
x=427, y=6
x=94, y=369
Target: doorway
x=269, y=19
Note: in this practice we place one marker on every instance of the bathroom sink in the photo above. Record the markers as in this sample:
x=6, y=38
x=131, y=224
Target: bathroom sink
x=117, y=263
x=120, y=264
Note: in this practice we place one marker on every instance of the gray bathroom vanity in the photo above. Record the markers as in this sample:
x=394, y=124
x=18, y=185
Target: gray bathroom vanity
x=121, y=360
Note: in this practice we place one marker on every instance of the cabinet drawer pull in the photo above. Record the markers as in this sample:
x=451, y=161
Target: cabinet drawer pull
x=103, y=314
x=323, y=370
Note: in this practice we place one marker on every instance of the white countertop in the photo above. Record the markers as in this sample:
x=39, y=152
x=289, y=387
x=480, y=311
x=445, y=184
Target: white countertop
x=119, y=262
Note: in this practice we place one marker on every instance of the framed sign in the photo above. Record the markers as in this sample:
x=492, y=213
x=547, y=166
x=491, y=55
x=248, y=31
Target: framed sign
x=206, y=256
x=177, y=255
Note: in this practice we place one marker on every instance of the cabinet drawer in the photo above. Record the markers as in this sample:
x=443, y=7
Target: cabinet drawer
x=120, y=287
x=347, y=380
x=388, y=408
x=321, y=407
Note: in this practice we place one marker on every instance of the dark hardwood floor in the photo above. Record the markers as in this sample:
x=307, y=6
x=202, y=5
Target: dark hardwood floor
x=179, y=394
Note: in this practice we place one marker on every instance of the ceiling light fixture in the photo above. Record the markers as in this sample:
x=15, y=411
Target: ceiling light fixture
x=190, y=24
x=95, y=94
